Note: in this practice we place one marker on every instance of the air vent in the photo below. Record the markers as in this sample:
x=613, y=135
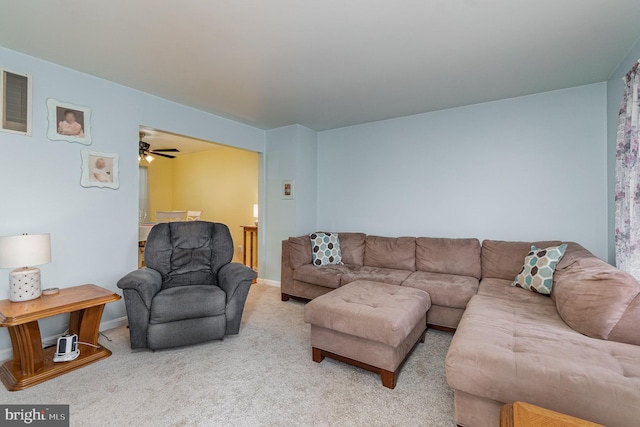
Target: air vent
x=15, y=110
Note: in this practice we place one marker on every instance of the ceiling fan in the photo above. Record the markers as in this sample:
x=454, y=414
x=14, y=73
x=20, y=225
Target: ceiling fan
x=144, y=150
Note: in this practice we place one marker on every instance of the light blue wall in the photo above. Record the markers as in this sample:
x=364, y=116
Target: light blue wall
x=280, y=214
x=526, y=168
x=93, y=231
x=306, y=181
x=615, y=90
x=291, y=154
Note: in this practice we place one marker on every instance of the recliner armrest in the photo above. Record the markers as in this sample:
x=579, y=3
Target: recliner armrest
x=146, y=281
x=235, y=280
x=232, y=275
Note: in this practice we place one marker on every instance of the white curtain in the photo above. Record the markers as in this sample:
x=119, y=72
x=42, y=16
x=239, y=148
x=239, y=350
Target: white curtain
x=143, y=195
x=628, y=177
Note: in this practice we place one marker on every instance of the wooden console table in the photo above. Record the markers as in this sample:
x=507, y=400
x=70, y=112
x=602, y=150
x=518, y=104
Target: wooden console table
x=521, y=414
x=250, y=241
x=31, y=363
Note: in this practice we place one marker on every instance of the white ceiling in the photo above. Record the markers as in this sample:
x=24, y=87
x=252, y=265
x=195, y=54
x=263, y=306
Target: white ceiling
x=331, y=63
x=159, y=139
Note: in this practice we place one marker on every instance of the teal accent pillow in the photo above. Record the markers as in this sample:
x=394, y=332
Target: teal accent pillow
x=537, y=272
x=325, y=249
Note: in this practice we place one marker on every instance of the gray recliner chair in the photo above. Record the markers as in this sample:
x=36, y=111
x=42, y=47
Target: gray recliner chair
x=190, y=291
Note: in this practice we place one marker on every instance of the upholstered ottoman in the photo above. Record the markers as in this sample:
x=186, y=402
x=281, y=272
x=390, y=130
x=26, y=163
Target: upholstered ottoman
x=368, y=324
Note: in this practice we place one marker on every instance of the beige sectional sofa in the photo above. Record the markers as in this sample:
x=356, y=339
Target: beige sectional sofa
x=576, y=351
x=448, y=269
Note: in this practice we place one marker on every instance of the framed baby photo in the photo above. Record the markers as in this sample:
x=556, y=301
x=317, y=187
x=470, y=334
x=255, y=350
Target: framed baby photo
x=68, y=122
x=288, y=189
x=99, y=169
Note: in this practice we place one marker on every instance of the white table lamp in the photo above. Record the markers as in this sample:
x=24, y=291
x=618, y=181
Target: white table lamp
x=255, y=213
x=24, y=251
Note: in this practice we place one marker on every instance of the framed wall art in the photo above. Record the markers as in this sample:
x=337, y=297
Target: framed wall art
x=68, y=122
x=288, y=189
x=99, y=169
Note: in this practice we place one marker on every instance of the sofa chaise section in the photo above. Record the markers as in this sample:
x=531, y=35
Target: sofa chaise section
x=573, y=351
x=509, y=350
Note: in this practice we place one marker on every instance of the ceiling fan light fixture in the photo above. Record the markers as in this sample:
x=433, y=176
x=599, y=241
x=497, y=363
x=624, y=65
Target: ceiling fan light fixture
x=146, y=152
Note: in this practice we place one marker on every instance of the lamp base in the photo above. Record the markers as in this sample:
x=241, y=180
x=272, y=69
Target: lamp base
x=24, y=284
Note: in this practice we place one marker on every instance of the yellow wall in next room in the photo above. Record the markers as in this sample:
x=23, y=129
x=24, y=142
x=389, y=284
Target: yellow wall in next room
x=222, y=183
x=160, y=186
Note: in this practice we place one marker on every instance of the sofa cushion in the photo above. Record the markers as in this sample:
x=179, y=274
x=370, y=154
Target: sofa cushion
x=374, y=311
x=382, y=275
x=515, y=350
x=187, y=302
x=536, y=274
x=447, y=290
x=503, y=260
x=388, y=252
x=352, y=246
x=325, y=249
x=449, y=256
x=329, y=276
x=503, y=289
x=593, y=296
x=299, y=251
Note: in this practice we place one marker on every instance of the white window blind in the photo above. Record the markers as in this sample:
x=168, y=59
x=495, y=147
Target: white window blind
x=15, y=92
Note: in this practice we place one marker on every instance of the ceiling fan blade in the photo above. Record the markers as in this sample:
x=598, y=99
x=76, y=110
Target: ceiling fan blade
x=168, y=150
x=162, y=155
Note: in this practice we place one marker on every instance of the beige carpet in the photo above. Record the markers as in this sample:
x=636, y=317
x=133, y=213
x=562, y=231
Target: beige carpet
x=262, y=377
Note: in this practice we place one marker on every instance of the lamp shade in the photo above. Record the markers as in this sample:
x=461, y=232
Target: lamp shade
x=25, y=250
x=255, y=211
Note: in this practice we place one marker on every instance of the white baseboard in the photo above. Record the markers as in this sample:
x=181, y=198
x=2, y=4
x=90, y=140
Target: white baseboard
x=114, y=323
x=268, y=282
x=7, y=353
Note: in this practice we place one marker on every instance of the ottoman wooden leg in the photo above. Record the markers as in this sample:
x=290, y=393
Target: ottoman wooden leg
x=423, y=336
x=388, y=378
x=316, y=355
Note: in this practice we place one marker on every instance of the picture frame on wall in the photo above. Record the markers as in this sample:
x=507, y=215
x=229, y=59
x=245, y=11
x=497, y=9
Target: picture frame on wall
x=99, y=169
x=288, y=189
x=68, y=122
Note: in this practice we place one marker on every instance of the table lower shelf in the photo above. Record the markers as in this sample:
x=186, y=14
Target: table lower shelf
x=14, y=380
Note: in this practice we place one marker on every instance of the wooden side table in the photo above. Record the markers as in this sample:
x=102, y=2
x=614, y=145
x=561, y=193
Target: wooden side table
x=521, y=414
x=250, y=241
x=31, y=363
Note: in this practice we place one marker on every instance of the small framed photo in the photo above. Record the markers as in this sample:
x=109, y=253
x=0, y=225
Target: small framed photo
x=99, y=169
x=288, y=189
x=68, y=122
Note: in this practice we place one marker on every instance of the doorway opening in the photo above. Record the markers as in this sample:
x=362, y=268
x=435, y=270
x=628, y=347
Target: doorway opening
x=184, y=178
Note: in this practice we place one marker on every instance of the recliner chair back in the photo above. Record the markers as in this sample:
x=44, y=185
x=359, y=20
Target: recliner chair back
x=188, y=253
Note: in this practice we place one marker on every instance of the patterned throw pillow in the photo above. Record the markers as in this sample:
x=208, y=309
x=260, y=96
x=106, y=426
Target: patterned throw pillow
x=537, y=272
x=325, y=249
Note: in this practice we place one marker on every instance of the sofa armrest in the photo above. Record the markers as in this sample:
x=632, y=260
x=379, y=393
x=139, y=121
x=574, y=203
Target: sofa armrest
x=146, y=282
x=235, y=280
